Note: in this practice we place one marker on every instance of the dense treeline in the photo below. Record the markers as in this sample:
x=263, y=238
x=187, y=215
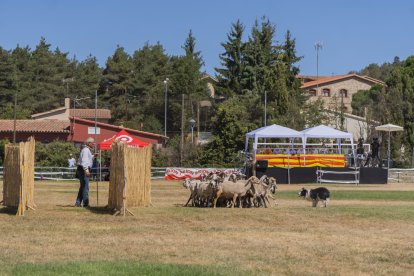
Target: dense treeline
x=254, y=70
x=392, y=103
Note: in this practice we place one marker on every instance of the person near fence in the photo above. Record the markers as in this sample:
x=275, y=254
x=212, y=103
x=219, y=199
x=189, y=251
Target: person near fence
x=360, y=152
x=374, y=156
x=85, y=162
x=95, y=166
x=71, y=161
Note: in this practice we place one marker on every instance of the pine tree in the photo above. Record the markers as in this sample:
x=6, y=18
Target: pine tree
x=7, y=77
x=151, y=66
x=48, y=69
x=229, y=76
x=118, y=79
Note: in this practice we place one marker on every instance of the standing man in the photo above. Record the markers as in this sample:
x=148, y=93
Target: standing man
x=85, y=161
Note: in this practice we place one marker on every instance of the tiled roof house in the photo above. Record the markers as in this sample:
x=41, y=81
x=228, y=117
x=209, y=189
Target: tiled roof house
x=334, y=89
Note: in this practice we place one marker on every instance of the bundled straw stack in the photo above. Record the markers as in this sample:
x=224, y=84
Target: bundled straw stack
x=130, y=179
x=18, y=183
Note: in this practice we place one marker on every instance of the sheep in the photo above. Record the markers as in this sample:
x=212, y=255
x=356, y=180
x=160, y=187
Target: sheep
x=193, y=187
x=230, y=190
x=204, y=194
x=236, y=177
x=203, y=177
x=264, y=188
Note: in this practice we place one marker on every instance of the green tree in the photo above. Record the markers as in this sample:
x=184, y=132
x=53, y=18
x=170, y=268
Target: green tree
x=118, y=79
x=87, y=77
x=230, y=124
x=151, y=67
x=229, y=76
x=48, y=70
x=54, y=154
x=186, y=78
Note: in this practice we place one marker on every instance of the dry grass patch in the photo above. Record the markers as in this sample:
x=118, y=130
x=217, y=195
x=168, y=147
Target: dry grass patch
x=364, y=236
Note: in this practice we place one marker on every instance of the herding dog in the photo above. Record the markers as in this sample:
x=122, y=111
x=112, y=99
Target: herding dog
x=316, y=195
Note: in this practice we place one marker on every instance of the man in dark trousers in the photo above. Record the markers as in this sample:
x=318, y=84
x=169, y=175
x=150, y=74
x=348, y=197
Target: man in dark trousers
x=85, y=162
x=360, y=152
x=374, y=152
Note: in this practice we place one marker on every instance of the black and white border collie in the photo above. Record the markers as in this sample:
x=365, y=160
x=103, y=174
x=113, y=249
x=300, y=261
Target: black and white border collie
x=316, y=195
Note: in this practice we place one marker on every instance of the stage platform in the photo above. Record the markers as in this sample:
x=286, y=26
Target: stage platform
x=309, y=175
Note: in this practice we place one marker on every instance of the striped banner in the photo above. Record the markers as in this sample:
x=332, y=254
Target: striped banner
x=303, y=160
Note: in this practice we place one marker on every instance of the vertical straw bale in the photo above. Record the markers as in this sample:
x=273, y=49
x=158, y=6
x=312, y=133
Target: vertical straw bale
x=12, y=179
x=130, y=179
x=18, y=184
x=28, y=173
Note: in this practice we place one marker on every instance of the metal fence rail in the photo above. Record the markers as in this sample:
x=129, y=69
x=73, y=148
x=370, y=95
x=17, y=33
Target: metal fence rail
x=68, y=174
x=401, y=175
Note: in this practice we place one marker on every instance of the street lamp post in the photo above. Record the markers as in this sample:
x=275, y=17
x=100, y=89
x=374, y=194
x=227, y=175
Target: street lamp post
x=318, y=46
x=192, y=124
x=165, y=105
x=67, y=80
x=76, y=99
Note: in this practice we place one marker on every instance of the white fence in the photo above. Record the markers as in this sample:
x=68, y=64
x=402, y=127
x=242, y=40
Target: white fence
x=68, y=174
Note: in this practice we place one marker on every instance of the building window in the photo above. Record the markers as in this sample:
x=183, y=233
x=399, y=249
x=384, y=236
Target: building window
x=326, y=92
x=343, y=93
x=312, y=92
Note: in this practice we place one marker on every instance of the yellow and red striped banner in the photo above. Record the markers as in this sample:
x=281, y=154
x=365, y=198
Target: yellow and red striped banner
x=303, y=160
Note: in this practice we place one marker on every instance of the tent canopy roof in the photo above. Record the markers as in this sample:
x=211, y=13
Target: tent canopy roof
x=274, y=131
x=122, y=136
x=323, y=131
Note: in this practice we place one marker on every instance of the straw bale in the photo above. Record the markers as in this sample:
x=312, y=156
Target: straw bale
x=18, y=184
x=130, y=178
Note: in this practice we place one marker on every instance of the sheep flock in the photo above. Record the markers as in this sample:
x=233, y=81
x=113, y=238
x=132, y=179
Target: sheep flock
x=218, y=190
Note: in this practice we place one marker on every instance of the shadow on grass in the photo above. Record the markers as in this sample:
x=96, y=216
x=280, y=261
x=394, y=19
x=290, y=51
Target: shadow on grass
x=100, y=210
x=8, y=210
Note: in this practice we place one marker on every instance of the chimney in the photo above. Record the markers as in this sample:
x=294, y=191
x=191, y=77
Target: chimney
x=67, y=103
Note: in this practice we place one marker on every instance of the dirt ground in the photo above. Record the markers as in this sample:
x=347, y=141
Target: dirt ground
x=350, y=237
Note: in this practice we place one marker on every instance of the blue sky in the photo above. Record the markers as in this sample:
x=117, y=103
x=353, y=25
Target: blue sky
x=354, y=33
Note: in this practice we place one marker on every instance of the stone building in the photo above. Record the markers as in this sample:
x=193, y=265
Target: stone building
x=336, y=91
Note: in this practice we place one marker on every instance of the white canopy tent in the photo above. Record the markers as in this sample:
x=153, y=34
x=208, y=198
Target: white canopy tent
x=323, y=131
x=389, y=128
x=272, y=131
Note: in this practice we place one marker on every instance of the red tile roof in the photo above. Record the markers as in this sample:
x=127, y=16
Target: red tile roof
x=90, y=113
x=132, y=131
x=49, y=111
x=82, y=113
x=339, y=77
x=56, y=126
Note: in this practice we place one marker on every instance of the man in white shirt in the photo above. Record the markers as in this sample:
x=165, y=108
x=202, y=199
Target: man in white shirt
x=85, y=161
x=71, y=161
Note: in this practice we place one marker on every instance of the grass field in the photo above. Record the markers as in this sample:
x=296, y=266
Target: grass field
x=366, y=230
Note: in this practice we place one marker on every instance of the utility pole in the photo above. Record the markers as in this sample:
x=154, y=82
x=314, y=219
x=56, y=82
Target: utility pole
x=165, y=106
x=126, y=106
x=74, y=113
x=14, y=117
x=198, y=122
x=265, y=109
x=182, y=130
